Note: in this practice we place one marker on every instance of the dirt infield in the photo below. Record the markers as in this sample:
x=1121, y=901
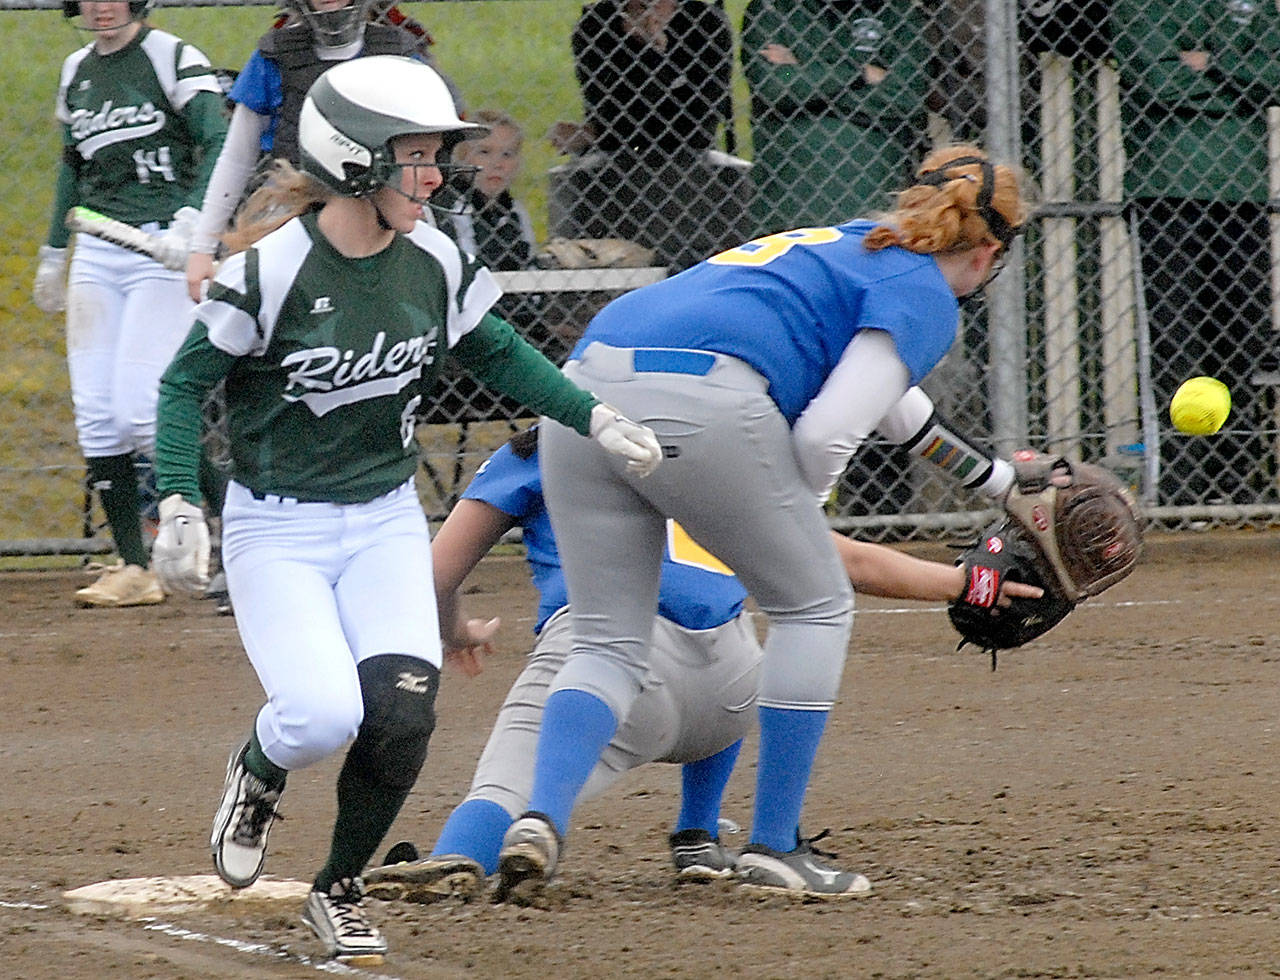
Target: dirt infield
x=1106, y=804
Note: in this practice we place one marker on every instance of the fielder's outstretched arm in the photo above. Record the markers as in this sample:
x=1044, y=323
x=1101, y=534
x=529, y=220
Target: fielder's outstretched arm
x=881, y=571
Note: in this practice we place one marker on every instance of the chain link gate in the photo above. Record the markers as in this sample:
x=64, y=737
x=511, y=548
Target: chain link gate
x=1150, y=128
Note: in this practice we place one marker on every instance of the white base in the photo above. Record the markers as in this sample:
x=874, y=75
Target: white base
x=135, y=897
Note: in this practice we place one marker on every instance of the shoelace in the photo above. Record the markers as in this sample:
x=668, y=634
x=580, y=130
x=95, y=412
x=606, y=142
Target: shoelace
x=808, y=842
x=253, y=821
x=349, y=920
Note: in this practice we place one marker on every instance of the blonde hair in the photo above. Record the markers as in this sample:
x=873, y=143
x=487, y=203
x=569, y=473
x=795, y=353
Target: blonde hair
x=945, y=210
x=286, y=193
x=493, y=118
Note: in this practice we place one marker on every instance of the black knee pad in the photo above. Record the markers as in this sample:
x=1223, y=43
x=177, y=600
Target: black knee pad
x=399, y=695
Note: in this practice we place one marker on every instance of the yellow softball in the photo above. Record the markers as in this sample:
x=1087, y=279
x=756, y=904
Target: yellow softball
x=1200, y=406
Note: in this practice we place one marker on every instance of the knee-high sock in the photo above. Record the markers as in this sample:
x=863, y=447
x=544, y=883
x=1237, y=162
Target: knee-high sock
x=576, y=726
x=366, y=810
x=116, y=481
x=788, y=744
x=702, y=786
x=474, y=829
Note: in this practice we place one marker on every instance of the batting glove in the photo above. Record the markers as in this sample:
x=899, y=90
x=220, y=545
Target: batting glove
x=175, y=243
x=50, y=290
x=618, y=435
x=180, y=555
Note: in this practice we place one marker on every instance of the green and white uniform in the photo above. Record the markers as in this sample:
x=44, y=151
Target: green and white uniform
x=136, y=121
x=141, y=128
x=327, y=361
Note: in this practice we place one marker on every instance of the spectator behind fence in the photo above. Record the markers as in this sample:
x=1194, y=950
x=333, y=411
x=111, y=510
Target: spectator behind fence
x=837, y=106
x=838, y=121
x=1197, y=79
x=479, y=212
x=654, y=77
x=313, y=36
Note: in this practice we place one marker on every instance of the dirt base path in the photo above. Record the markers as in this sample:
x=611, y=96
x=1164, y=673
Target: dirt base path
x=1106, y=804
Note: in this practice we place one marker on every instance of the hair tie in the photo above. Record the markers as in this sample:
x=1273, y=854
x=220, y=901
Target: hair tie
x=999, y=226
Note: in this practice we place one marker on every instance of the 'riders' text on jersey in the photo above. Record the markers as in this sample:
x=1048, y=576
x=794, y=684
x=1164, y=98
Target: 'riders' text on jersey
x=332, y=368
x=788, y=305
x=128, y=140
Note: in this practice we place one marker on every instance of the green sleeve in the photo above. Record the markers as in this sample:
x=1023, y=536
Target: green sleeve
x=830, y=70
x=500, y=358
x=1247, y=54
x=1149, y=48
x=784, y=89
x=66, y=194
x=185, y=384
x=900, y=97
x=207, y=123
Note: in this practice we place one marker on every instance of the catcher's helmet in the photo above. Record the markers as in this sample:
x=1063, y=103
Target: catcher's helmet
x=138, y=9
x=356, y=108
x=334, y=28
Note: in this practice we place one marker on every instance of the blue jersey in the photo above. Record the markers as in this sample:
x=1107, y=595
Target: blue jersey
x=259, y=87
x=788, y=305
x=696, y=591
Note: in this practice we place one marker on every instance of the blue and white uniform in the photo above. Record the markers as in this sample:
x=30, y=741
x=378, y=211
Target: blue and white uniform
x=760, y=370
x=699, y=684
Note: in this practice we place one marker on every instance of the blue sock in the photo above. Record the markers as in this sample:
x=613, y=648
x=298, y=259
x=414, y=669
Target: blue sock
x=474, y=829
x=702, y=786
x=788, y=743
x=576, y=726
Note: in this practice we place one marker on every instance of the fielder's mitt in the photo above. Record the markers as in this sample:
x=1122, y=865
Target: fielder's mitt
x=1072, y=529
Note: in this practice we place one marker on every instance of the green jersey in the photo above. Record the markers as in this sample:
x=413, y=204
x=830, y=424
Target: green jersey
x=328, y=361
x=1197, y=130
x=130, y=144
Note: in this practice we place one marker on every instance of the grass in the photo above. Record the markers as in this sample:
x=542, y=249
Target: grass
x=509, y=54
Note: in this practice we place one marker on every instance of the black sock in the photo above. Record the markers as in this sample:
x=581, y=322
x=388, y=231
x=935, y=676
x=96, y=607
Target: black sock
x=366, y=811
x=116, y=481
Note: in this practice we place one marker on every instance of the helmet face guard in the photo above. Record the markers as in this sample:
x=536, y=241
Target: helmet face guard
x=357, y=108
x=138, y=9
x=335, y=28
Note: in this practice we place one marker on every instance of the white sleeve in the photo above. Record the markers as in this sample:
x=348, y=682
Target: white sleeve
x=907, y=417
x=913, y=423
x=189, y=83
x=230, y=328
x=230, y=175
x=868, y=381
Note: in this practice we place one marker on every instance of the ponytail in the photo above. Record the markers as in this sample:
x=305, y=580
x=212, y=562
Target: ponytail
x=960, y=200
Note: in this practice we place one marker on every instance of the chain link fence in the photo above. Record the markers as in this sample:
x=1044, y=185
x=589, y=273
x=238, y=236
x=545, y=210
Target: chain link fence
x=685, y=126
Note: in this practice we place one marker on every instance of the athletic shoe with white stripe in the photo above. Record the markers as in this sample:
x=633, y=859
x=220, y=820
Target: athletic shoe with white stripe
x=243, y=821
x=698, y=856
x=338, y=920
x=798, y=872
